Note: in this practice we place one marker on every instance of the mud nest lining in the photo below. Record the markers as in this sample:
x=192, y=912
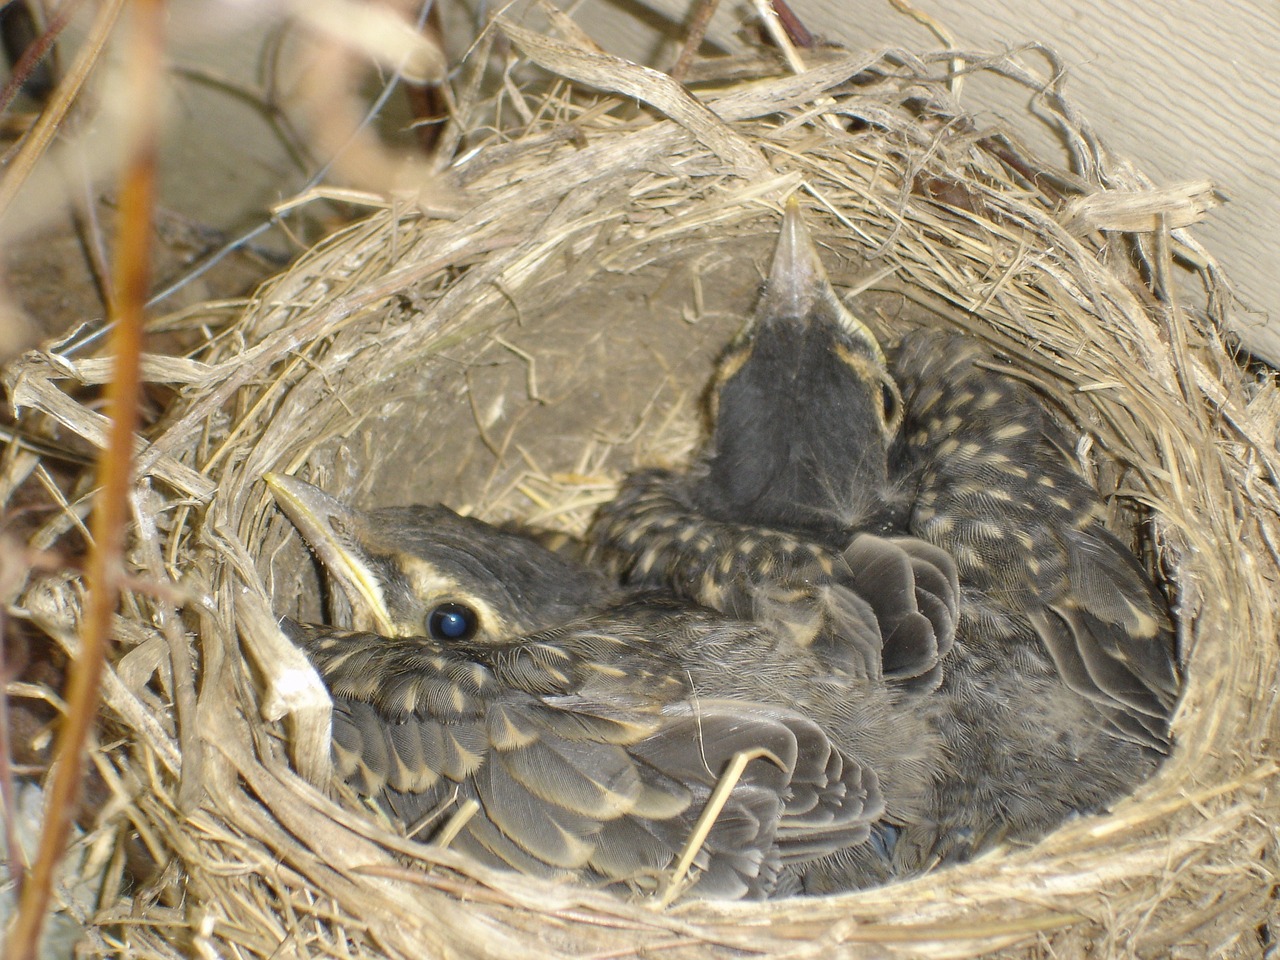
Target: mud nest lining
x=519, y=359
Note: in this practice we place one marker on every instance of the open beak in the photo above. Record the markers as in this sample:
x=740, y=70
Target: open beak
x=798, y=286
x=331, y=529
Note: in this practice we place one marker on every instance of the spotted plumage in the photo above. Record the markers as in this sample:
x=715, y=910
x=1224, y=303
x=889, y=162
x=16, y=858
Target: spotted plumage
x=1057, y=695
x=567, y=756
x=562, y=679
x=793, y=486
x=1065, y=674
x=996, y=484
x=880, y=606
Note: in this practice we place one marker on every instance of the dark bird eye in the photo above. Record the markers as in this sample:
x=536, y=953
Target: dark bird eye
x=889, y=398
x=452, y=621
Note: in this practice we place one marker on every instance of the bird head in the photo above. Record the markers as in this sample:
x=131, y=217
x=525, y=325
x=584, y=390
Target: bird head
x=426, y=571
x=803, y=405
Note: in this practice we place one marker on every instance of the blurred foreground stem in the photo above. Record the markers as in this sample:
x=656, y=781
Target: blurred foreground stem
x=131, y=279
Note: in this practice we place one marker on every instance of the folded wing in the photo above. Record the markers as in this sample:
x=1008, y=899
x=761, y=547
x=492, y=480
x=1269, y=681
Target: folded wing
x=563, y=782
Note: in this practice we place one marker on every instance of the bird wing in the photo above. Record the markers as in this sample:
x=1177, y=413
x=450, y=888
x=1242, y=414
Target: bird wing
x=886, y=607
x=567, y=782
x=1110, y=635
x=914, y=591
x=999, y=490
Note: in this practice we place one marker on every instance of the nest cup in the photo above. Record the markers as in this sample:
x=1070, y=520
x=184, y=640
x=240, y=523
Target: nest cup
x=519, y=359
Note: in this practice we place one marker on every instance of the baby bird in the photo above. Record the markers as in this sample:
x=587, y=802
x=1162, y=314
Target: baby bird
x=993, y=482
x=1064, y=678
x=583, y=753
x=782, y=520
x=1057, y=694
x=587, y=727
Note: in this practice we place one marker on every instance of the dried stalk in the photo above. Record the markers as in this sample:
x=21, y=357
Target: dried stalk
x=132, y=278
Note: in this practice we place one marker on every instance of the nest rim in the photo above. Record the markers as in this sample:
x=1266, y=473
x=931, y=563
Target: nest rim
x=1124, y=362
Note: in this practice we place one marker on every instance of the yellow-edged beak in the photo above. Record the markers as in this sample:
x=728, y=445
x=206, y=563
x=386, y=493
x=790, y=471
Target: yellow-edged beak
x=798, y=285
x=331, y=529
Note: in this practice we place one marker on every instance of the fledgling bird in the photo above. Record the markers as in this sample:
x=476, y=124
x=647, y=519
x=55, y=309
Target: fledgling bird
x=994, y=483
x=1057, y=695
x=1065, y=674
x=583, y=753
x=782, y=519
x=492, y=638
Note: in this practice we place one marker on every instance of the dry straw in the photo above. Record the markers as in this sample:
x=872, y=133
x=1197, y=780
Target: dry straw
x=518, y=358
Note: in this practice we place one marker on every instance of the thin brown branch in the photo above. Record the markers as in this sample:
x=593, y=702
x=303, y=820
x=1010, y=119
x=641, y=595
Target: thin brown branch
x=34, y=55
x=132, y=278
x=796, y=31
x=89, y=233
x=694, y=35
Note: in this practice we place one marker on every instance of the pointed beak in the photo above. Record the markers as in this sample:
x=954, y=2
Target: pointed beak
x=331, y=530
x=797, y=279
x=798, y=287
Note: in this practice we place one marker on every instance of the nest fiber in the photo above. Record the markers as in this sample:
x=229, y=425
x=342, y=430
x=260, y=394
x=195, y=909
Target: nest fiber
x=518, y=359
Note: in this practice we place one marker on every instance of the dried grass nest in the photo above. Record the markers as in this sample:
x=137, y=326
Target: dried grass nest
x=518, y=359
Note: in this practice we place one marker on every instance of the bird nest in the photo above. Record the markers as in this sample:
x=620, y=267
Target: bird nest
x=518, y=359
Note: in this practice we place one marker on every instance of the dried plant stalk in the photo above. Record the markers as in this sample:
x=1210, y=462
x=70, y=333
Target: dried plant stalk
x=110, y=516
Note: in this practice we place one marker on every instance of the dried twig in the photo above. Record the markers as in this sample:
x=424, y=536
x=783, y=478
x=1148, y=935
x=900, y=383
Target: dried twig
x=694, y=34
x=34, y=54
x=132, y=275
